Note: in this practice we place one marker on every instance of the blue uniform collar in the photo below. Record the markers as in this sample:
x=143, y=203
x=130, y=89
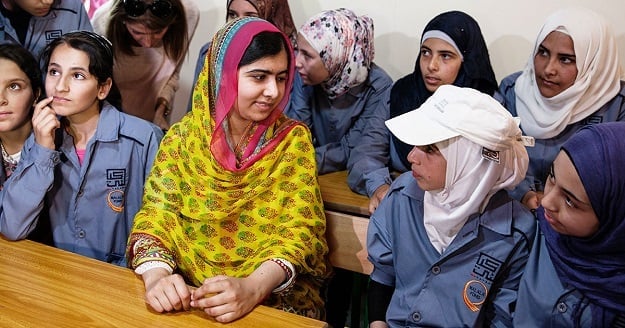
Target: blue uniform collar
x=107, y=130
x=108, y=124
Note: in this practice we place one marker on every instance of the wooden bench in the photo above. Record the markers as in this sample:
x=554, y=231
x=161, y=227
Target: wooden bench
x=347, y=240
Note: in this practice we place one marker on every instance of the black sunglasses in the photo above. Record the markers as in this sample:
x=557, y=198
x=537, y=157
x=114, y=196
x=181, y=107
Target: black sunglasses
x=159, y=8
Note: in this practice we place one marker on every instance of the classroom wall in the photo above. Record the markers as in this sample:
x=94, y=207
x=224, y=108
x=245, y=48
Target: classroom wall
x=509, y=28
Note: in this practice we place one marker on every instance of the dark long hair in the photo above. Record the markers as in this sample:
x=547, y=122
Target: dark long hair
x=26, y=62
x=175, y=40
x=100, y=53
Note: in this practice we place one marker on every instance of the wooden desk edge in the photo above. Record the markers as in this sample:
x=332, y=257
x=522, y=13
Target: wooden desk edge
x=337, y=196
x=27, y=250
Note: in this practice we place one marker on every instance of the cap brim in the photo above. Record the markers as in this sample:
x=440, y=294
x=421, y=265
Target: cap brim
x=418, y=128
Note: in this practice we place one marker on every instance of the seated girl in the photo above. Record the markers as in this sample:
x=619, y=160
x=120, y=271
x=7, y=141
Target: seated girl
x=232, y=214
x=448, y=245
x=85, y=164
x=574, y=276
x=276, y=12
x=453, y=51
x=341, y=90
x=20, y=87
x=572, y=79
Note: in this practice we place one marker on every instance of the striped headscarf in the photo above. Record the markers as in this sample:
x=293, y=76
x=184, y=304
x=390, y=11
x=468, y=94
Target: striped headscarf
x=219, y=81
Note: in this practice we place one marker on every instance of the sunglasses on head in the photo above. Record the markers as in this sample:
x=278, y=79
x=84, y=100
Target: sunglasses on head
x=159, y=8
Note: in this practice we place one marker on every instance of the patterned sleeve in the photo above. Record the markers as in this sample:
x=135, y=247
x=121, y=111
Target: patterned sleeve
x=148, y=241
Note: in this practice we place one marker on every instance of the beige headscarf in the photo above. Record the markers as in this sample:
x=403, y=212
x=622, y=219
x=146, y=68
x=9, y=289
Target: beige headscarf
x=598, y=77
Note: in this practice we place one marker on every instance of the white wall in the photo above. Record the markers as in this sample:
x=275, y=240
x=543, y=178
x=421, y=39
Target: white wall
x=509, y=28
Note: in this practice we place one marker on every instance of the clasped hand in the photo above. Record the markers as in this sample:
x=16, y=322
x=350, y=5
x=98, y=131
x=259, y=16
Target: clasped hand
x=221, y=297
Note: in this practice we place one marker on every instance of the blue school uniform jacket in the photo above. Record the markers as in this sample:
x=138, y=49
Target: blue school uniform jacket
x=65, y=16
x=545, y=150
x=91, y=207
x=473, y=283
x=348, y=132
x=543, y=300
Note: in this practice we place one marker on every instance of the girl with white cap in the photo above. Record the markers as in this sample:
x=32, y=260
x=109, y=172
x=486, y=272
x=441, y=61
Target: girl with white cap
x=448, y=244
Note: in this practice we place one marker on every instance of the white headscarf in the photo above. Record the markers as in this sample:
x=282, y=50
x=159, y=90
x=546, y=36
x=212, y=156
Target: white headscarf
x=598, y=75
x=470, y=182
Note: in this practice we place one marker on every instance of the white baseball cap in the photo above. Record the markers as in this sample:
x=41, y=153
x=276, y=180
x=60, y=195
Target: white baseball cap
x=454, y=111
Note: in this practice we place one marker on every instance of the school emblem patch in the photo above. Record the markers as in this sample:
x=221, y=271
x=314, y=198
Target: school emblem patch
x=116, y=183
x=484, y=272
x=491, y=155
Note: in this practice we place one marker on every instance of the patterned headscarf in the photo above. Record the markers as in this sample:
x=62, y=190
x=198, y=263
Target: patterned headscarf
x=276, y=12
x=344, y=42
x=476, y=71
x=595, y=265
x=598, y=75
x=219, y=80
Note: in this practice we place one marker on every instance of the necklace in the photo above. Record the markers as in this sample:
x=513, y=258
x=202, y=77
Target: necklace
x=6, y=157
x=243, y=141
x=239, y=147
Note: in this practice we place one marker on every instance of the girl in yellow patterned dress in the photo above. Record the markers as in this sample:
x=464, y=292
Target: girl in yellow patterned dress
x=232, y=205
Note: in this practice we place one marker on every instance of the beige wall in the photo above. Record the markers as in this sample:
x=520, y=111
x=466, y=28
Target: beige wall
x=509, y=28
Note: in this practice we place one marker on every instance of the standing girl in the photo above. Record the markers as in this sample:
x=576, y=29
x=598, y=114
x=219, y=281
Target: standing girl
x=85, y=170
x=151, y=39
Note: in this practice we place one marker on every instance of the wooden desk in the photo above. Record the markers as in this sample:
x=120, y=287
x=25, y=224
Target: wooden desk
x=338, y=197
x=41, y=286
